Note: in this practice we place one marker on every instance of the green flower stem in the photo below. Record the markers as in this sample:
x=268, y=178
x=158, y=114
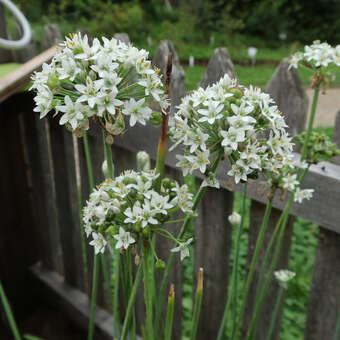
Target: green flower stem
x=94, y=293
x=147, y=292
x=163, y=138
x=234, y=275
x=197, y=307
x=236, y=260
x=256, y=255
x=88, y=160
x=115, y=282
x=170, y=314
x=113, y=295
x=311, y=121
x=275, y=313
x=9, y=314
x=183, y=230
x=281, y=227
x=82, y=235
x=131, y=303
x=336, y=335
x=95, y=273
x=109, y=162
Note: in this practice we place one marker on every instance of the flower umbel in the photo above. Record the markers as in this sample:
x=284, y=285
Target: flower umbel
x=231, y=121
x=128, y=209
x=105, y=81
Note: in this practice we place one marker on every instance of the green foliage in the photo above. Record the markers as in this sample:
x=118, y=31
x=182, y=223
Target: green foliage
x=319, y=148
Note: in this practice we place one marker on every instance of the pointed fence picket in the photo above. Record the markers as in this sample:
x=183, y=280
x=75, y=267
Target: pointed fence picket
x=51, y=185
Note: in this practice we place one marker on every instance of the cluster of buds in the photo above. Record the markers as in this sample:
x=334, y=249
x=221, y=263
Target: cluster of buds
x=320, y=147
x=240, y=124
x=105, y=81
x=128, y=209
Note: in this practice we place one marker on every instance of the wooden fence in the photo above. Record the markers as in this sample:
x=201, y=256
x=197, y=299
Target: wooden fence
x=43, y=167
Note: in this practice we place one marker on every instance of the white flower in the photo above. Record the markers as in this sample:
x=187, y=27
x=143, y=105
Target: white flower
x=290, y=182
x=300, y=195
x=211, y=181
x=284, y=276
x=212, y=112
x=232, y=137
x=160, y=204
x=134, y=215
x=124, y=239
x=108, y=102
x=98, y=242
x=73, y=113
x=183, y=248
x=43, y=100
x=235, y=219
x=137, y=110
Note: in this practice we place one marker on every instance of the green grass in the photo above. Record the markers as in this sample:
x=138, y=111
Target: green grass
x=7, y=68
x=248, y=75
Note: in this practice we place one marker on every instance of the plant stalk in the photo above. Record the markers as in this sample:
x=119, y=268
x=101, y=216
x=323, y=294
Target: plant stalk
x=170, y=313
x=147, y=292
x=198, y=304
x=131, y=303
x=256, y=255
x=275, y=313
x=9, y=314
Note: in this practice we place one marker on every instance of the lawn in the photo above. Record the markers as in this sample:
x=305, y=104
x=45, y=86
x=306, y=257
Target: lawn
x=258, y=75
x=7, y=68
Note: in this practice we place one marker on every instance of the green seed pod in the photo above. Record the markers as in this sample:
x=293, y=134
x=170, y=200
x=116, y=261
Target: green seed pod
x=160, y=264
x=156, y=119
x=236, y=92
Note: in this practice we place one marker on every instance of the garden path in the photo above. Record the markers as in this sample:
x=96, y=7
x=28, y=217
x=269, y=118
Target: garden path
x=328, y=106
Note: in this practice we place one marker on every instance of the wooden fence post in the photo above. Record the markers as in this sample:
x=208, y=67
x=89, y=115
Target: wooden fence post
x=51, y=36
x=286, y=88
x=177, y=74
x=67, y=203
x=213, y=231
x=123, y=37
x=219, y=64
x=39, y=151
x=163, y=246
x=324, y=299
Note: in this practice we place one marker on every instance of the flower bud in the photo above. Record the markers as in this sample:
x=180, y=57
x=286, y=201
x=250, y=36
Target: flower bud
x=156, y=119
x=235, y=219
x=160, y=264
x=143, y=161
x=105, y=170
x=109, y=139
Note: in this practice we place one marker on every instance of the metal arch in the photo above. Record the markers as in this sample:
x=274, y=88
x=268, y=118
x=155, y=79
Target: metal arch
x=26, y=38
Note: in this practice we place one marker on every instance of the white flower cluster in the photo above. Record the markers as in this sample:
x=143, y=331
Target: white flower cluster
x=232, y=121
x=317, y=55
x=128, y=208
x=103, y=80
x=284, y=276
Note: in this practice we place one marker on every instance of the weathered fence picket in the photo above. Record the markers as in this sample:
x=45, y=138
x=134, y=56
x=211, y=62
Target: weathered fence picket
x=286, y=89
x=67, y=204
x=324, y=300
x=219, y=65
x=212, y=229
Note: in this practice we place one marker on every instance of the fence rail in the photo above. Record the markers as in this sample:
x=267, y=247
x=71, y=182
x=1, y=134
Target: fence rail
x=53, y=158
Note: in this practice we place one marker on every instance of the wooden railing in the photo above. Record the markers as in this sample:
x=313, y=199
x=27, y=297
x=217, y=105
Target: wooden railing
x=48, y=159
